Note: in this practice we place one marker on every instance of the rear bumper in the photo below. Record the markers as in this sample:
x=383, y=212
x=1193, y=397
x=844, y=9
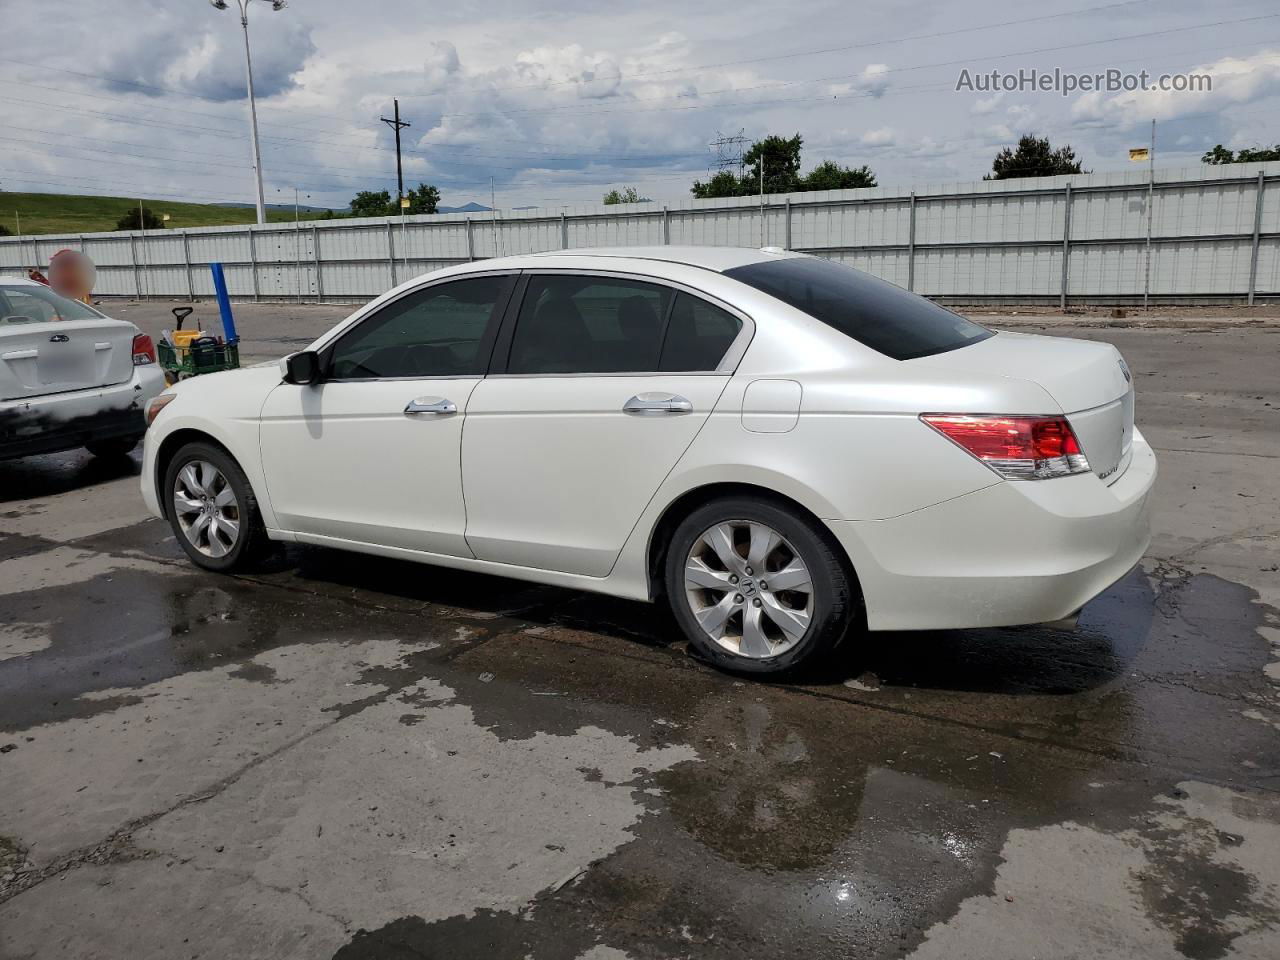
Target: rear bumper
x=64, y=421
x=1012, y=553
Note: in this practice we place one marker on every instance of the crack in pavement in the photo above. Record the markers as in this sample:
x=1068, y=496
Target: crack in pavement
x=117, y=846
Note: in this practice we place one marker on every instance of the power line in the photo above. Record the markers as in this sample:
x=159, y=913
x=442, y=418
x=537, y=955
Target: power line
x=825, y=50
x=920, y=66
x=569, y=109
x=159, y=88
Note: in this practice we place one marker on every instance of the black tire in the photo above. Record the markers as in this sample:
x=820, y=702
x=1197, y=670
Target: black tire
x=113, y=446
x=836, y=600
x=251, y=544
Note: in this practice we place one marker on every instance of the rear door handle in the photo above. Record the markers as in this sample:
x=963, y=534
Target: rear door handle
x=431, y=405
x=656, y=405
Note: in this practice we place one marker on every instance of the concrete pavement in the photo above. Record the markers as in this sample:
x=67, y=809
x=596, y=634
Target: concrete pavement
x=348, y=757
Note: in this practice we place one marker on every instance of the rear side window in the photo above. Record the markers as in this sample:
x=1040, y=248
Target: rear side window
x=878, y=314
x=584, y=324
x=444, y=330
x=698, y=336
x=39, y=304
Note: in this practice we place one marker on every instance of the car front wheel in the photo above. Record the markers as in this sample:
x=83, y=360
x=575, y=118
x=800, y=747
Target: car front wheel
x=212, y=509
x=756, y=587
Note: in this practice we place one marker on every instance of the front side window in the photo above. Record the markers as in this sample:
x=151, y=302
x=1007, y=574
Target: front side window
x=876, y=313
x=583, y=324
x=442, y=331
x=39, y=304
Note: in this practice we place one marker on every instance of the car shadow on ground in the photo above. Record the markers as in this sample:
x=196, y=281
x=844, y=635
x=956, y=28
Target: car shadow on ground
x=1016, y=660
x=32, y=478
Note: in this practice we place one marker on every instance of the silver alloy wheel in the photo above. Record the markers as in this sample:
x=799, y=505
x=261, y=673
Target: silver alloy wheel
x=748, y=589
x=206, y=507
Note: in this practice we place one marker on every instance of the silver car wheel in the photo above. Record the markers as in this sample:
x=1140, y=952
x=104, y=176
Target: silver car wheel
x=748, y=589
x=206, y=508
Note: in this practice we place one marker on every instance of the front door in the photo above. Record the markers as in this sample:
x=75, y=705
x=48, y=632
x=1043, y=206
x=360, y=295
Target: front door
x=608, y=381
x=371, y=454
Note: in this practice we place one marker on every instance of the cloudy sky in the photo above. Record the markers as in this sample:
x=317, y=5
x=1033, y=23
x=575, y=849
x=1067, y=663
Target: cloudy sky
x=559, y=100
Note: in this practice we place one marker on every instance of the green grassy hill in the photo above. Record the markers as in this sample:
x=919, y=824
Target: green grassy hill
x=60, y=213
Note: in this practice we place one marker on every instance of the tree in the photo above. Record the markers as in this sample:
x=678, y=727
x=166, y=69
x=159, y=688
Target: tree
x=1034, y=157
x=625, y=195
x=130, y=221
x=369, y=203
x=5, y=231
x=423, y=200
x=781, y=158
x=1221, y=154
x=723, y=184
x=829, y=175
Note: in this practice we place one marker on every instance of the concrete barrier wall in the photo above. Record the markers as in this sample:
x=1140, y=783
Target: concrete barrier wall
x=1214, y=235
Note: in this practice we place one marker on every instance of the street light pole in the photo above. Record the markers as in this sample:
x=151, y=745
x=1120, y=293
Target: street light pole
x=253, y=106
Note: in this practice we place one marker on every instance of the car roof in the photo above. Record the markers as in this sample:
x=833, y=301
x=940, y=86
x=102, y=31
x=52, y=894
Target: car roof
x=708, y=258
x=19, y=282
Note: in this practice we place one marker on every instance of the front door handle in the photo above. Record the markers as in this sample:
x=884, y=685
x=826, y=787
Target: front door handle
x=656, y=405
x=431, y=405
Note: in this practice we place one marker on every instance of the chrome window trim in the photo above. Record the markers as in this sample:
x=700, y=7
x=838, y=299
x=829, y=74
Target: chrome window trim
x=728, y=363
x=434, y=376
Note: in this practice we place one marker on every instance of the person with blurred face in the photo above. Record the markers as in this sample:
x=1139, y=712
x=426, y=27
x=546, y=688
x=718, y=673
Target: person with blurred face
x=72, y=274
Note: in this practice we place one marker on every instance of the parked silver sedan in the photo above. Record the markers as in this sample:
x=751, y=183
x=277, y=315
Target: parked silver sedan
x=69, y=375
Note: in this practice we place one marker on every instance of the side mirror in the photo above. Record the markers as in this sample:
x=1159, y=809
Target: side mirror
x=303, y=368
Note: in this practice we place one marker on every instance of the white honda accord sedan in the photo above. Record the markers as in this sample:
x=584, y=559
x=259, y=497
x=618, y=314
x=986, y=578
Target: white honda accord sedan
x=780, y=447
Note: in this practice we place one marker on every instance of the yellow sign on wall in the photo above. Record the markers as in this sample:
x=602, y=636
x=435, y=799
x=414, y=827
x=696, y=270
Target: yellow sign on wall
x=1138, y=154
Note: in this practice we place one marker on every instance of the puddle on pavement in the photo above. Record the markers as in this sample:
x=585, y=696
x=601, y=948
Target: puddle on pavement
x=822, y=819
x=828, y=821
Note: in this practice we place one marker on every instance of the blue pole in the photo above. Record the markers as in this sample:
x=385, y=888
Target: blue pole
x=224, y=303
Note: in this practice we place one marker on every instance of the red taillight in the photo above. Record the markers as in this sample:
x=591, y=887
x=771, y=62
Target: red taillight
x=1017, y=448
x=144, y=351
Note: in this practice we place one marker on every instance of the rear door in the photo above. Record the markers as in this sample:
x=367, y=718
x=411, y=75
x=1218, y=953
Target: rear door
x=49, y=344
x=600, y=384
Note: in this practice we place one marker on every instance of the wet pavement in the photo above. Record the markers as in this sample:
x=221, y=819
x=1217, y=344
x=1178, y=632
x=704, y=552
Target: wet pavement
x=342, y=756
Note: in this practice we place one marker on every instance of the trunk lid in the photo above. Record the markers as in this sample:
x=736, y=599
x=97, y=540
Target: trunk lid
x=1088, y=380
x=63, y=355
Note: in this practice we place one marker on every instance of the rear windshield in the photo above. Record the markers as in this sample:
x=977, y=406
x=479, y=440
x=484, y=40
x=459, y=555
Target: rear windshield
x=36, y=303
x=877, y=314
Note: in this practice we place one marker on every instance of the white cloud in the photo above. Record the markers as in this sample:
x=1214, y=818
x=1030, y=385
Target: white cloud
x=440, y=66
x=1236, y=80
x=556, y=102
x=873, y=80
x=982, y=107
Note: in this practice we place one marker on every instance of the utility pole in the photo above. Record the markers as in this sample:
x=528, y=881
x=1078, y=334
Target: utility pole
x=397, y=124
x=493, y=205
x=762, y=199
x=297, y=242
x=1151, y=196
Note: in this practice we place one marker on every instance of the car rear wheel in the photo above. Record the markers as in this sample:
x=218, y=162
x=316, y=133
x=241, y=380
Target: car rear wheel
x=112, y=447
x=756, y=587
x=212, y=509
